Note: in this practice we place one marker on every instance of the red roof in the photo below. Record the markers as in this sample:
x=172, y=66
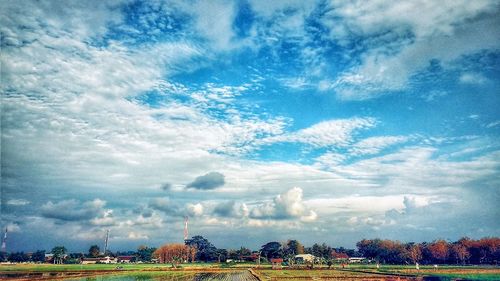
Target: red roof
x=276, y=260
x=125, y=257
x=339, y=255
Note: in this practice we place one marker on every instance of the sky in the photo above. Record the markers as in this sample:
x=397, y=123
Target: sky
x=322, y=121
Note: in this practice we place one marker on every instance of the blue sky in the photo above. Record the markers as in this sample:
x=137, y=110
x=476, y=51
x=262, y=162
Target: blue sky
x=323, y=121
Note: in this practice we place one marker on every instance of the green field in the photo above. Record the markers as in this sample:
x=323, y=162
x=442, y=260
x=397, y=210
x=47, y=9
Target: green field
x=214, y=271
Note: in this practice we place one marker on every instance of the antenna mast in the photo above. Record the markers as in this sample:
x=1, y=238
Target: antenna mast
x=4, y=240
x=106, y=242
x=186, y=233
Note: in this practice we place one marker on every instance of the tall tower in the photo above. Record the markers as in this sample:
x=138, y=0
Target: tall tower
x=106, y=242
x=186, y=233
x=4, y=240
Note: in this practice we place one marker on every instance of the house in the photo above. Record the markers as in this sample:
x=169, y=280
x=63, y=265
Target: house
x=252, y=258
x=106, y=259
x=304, y=258
x=126, y=259
x=89, y=260
x=356, y=259
x=340, y=256
x=277, y=263
x=49, y=258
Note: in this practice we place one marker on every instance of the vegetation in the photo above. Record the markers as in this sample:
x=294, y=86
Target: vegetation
x=463, y=251
x=94, y=251
x=175, y=254
x=59, y=253
x=205, y=251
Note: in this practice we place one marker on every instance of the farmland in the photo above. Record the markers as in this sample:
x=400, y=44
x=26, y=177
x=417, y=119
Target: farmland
x=240, y=272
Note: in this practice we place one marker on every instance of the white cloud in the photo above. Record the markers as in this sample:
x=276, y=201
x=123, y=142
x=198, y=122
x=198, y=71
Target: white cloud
x=195, y=210
x=137, y=236
x=13, y=227
x=374, y=145
x=493, y=124
x=285, y=206
x=472, y=78
x=73, y=210
x=214, y=21
x=18, y=202
x=327, y=133
x=414, y=168
x=329, y=159
x=443, y=31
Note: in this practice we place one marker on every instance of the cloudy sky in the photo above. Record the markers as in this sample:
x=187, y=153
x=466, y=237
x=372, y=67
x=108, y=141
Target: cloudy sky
x=322, y=121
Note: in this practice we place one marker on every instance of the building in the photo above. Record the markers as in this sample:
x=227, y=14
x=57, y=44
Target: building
x=340, y=257
x=126, y=259
x=49, y=258
x=304, y=258
x=89, y=260
x=277, y=263
x=357, y=259
x=251, y=258
x=106, y=259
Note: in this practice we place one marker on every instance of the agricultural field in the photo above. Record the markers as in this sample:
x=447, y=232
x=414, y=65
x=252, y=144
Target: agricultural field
x=448, y=271
x=106, y=272
x=240, y=272
x=319, y=274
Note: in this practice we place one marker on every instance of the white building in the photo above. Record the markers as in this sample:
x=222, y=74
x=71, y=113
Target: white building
x=356, y=259
x=304, y=258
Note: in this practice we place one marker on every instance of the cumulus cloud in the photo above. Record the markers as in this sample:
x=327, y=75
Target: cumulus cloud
x=73, y=210
x=209, y=181
x=13, y=227
x=165, y=205
x=231, y=209
x=194, y=210
x=137, y=236
x=285, y=206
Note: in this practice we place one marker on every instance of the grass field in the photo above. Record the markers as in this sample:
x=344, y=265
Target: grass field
x=213, y=271
x=449, y=271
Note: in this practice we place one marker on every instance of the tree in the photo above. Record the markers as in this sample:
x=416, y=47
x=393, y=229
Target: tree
x=414, y=252
x=438, y=250
x=222, y=255
x=59, y=253
x=272, y=250
x=175, y=253
x=459, y=252
x=205, y=251
x=3, y=256
x=38, y=256
x=145, y=253
x=18, y=257
x=94, y=251
x=369, y=248
x=293, y=247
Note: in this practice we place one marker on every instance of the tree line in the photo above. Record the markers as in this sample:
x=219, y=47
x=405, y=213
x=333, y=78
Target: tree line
x=464, y=251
